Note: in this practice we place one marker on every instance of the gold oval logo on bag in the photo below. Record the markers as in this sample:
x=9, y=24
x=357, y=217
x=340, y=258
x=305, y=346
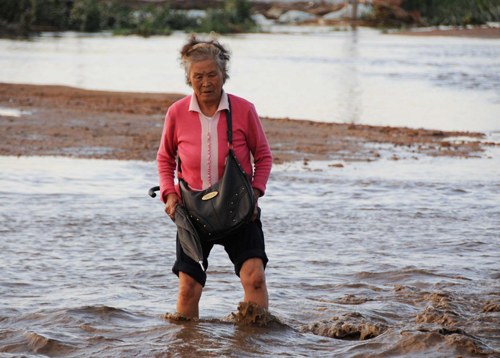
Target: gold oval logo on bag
x=211, y=195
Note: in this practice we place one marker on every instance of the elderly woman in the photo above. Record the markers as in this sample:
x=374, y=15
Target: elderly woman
x=195, y=131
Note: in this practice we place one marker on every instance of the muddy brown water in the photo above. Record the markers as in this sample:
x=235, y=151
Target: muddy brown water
x=373, y=259
x=393, y=258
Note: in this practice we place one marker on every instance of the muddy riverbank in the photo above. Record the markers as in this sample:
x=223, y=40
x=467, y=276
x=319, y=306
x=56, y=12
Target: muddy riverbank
x=59, y=120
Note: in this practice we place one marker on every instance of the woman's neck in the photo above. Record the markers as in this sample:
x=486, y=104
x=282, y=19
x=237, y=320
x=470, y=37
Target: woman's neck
x=208, y=108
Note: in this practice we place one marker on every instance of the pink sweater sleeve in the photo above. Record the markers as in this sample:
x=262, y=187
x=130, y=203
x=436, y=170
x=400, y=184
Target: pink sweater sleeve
x=259, y=146
x=166, y=157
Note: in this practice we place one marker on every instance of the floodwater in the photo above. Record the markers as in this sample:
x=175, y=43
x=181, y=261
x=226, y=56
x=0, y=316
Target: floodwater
x=390, y=258
x=312, y=73
x=405, y=256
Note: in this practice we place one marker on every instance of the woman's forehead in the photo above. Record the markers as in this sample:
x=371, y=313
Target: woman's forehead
x=204, y=66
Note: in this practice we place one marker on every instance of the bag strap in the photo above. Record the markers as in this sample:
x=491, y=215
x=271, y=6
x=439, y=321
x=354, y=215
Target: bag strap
x=229, y=120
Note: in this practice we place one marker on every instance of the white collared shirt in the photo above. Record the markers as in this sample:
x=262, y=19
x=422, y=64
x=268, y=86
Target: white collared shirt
x=209, y=140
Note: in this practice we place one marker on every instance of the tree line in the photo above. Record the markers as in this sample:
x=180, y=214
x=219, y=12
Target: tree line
x=23, y=17
x=454, y=12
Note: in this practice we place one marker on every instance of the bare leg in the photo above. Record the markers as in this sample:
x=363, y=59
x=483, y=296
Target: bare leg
x=253, y=280
x=189, y=295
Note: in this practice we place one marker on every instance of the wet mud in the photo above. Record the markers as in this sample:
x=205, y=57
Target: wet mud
x=458, y=338
x=492, y=306
x=248, y=313
x=447, y=319
x=67, y=121
x=179, y=317
x=351, y=326
x=440, y=310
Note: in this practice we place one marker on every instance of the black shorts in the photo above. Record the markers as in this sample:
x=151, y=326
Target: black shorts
x=241, y=246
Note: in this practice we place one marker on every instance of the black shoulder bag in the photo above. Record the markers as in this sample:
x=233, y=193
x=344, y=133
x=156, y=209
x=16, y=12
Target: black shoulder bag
x=228, y=205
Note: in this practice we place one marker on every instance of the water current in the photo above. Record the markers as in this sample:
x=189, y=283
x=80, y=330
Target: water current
x=389, y=258
x=370, y=260
x=313, y=73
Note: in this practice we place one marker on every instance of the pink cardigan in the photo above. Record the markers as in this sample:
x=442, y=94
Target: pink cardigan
x=185, y=130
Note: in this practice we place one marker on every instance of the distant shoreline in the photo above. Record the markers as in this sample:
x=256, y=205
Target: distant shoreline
x=67, y=121
x=475, y=32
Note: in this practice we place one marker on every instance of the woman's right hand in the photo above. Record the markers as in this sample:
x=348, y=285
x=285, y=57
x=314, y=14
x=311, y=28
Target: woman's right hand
x=172, y=202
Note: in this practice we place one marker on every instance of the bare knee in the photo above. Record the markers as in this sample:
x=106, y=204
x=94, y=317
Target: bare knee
x=189, y=289
x=252, y=275
x=257, y=280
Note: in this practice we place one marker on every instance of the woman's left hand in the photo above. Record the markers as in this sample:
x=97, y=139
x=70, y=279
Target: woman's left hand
x=172, y=201
x=257, y=194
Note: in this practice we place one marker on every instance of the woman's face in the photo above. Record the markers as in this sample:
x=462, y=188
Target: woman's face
x=207, y=80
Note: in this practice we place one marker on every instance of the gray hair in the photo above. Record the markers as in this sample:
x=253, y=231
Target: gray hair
x=199, y=50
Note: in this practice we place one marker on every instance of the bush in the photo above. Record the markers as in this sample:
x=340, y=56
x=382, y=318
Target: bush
x=27, y=14
x=52, y=13
x=15, y=11
x=87, y=15
x=234, y=17
x=20, y=13
x=455, y=12
x=162, y=17
x=152, y=20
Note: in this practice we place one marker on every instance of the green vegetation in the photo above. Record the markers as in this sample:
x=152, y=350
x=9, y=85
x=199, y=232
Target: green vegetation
x=19, y=16
x=150, y=20
x=455, y=12
x=232, y=18
x=23, y=17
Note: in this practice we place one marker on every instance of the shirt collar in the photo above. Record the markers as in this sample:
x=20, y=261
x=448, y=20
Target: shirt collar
x=223, y=104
